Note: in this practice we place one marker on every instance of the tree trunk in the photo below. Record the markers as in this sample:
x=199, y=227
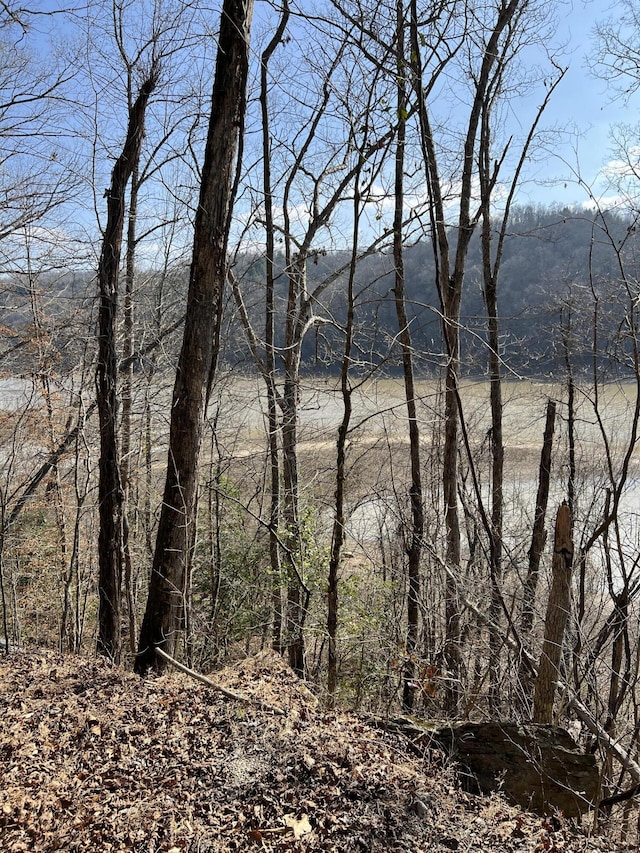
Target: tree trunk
x=415, y=535
x=297, y=592
x=127, y=406
x=197, y=362
x=109, y=487
x=338, y=533
x=296, y=607
x=490, y=288
x=450, y=273
x=556, y=618
x=538, y=540
x=269, y=338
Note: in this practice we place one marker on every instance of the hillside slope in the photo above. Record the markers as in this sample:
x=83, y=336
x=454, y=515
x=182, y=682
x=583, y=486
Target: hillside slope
x=94, y=759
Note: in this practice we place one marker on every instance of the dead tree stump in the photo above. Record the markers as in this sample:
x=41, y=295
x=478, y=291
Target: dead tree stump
x=556, y=618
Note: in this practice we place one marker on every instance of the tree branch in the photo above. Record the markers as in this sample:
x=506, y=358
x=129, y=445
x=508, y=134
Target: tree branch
x=229, y=694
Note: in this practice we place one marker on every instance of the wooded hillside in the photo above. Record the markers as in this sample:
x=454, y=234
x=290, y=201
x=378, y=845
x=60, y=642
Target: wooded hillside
x=290, y=366
x=92, y=758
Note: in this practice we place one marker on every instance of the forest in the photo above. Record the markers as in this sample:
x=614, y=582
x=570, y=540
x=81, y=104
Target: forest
x=548, y=252
x=288, y=361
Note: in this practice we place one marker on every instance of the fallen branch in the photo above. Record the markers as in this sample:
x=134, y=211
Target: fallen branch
x=230, y=694
x=67, y=442
x=52, y=460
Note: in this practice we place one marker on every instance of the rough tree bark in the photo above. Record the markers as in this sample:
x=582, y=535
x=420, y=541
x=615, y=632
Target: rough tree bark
x=110, y=495
x=269, y=335
x=414, y=543
x=197, y=362
x=556, y=618
x=127, y=405
x=538, y=540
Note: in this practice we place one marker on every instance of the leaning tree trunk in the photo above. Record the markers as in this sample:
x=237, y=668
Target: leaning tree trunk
x=110, y=495
x=164, y=613
x=556, y=618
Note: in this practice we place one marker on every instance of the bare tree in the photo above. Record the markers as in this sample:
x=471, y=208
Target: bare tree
x=326, y=176
x=132, y=47
x=450, y=260
x=110, y=494
x=617, y=48
x=269, y=333
x=36, y=172
x=198, y=357
x=363, y=130
x=415, y=536
x=480, y=45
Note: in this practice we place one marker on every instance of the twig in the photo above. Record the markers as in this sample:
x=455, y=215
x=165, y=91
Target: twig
x=613, y=747
x=622, y=797
x=230, y=694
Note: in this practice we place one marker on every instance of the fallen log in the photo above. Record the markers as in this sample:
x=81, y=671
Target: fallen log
x=538, y=767
x=605, y=740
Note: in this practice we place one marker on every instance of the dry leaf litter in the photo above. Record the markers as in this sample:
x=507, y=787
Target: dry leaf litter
x=92, y=758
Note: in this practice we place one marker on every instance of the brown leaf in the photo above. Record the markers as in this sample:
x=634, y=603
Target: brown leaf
x=300, y=826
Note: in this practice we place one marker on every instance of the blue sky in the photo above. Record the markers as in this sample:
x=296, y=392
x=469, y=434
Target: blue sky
x=582, y=103
x=585, y=106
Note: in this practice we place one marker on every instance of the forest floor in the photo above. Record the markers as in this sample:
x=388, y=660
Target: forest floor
x=92, y=758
